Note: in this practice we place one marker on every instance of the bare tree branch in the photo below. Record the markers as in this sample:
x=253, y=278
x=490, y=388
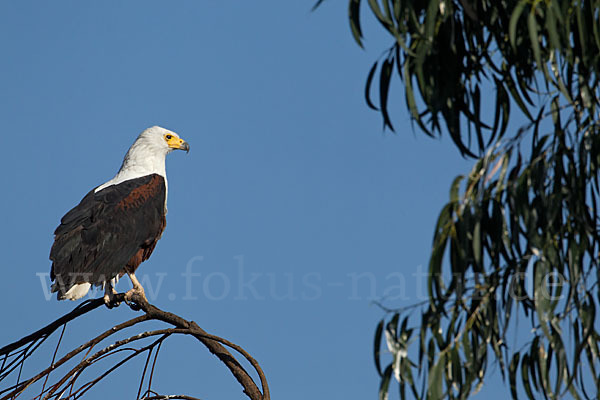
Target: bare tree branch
x=15, y=354
x=46, y=331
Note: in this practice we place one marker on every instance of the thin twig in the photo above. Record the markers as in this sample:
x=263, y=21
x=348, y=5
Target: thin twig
x=50, y=328
x=153, y=365
x=144, y=373
x=53, y=358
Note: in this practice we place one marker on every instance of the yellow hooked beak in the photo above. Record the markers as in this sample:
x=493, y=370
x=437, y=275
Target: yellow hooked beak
x=177, y=143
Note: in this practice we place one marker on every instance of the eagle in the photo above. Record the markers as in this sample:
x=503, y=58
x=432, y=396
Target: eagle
x=116, y=225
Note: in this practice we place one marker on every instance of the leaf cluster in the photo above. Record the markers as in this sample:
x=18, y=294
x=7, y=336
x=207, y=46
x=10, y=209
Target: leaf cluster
x=521, y=239
x=450, y=54
x=518, y=238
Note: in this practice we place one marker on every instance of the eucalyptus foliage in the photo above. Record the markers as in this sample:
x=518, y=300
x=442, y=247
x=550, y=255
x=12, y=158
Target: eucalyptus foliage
x=518, y=240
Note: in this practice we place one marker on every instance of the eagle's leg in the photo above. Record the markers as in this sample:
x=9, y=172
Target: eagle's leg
x=109, y=295
x=137, y=287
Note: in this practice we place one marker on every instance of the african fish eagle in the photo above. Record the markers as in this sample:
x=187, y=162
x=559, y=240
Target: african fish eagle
x=116, y=225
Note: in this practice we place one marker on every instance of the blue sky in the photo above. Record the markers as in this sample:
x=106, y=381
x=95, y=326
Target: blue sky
x=293, y=210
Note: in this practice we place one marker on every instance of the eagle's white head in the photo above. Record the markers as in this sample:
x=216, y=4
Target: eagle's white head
x=156, y=140
x=147, y=154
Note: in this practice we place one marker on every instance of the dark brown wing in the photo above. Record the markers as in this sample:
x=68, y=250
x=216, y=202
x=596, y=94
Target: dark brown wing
x=117, y=226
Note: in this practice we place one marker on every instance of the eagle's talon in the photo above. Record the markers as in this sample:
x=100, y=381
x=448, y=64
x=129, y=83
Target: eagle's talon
x=112, y=304
x=133, y=296
x=110, y=300
x=137, y=291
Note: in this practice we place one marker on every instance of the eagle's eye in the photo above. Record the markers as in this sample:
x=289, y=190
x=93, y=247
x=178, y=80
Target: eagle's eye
x=169, y=137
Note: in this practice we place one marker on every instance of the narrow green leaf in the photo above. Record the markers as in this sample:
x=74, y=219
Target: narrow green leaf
x=368, y=87
x=408, y=377
x=558, y=81
x=440, y=241
x=354, y=16
x=561, y=361
x=551, y=27
x=596, y=31
x=501, y=184
x=476, y=118
x=582, y=31
x=525, y=89
x=585, y=93
x=385, y=20
x=453, y=124
x=501, y=112
x=385, y=382
x=388, y=12
x=533, y=358
x=454, y=189
x=477, y=251
x=431, y=19
x=587, y=313
x=434, y=280
x=435, y=385
x=317, y=4
x=384, y=88
x=377, y=347
x=404, y=325
x=512, y=375
x=541, y=295
x=392, y=326
x=466, y=345
x=533, y=37
x=525, y=376
x=512, y=25
x=512, y=88
x=542, y=366
x=410, y=98
x=456, y=367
